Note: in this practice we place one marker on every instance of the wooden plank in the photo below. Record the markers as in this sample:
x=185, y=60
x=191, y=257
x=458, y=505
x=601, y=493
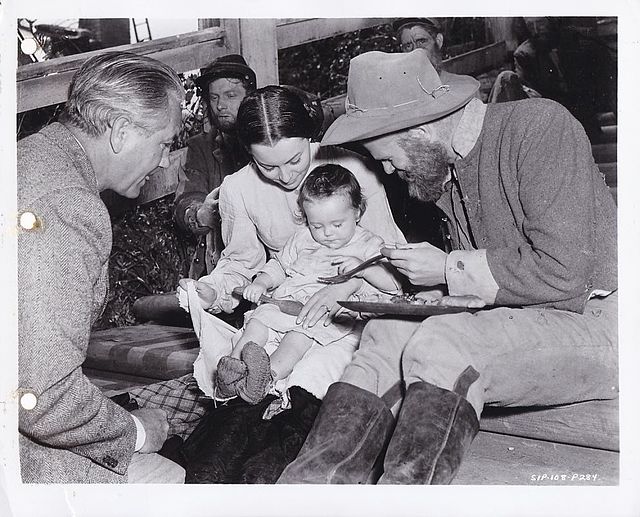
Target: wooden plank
x=147, y=48
x=479, y=60
x=592, y=424
x=112, y=383
x=258, y=45
x=46, y=83
x=293, y=32
x=610, y=172
x=605, y=153
x=496, y=459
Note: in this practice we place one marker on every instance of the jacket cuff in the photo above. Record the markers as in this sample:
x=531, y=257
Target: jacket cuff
x=468, y=273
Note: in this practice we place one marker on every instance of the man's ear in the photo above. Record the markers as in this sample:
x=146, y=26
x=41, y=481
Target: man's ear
x=439, y=40
x=120, y=131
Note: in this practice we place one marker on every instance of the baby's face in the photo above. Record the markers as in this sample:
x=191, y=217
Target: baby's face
x=332, y=220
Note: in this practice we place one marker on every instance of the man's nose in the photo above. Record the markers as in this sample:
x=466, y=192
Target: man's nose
x=388, y=167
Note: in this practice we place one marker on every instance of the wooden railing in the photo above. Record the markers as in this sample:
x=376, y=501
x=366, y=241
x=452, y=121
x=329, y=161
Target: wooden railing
x=258, y=40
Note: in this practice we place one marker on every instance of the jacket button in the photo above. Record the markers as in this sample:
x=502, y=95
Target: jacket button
x=460, y=265
x=109, y=461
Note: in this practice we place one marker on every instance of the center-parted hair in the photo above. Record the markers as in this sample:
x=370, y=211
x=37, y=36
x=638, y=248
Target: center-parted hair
x=330, y=180
x=269, y=114
x=121, y=84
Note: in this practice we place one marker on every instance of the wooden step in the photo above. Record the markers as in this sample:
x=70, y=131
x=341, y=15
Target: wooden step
x=610, y=172
x=590, y=424
x=605, y=153
x=497, y=459
x=112, y=383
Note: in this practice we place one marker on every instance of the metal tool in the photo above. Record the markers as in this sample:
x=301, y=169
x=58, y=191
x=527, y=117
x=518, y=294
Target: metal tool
x=343, y=277
x=287, y=306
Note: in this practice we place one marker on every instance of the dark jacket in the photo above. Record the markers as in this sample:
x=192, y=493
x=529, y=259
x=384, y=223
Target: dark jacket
x=210, y=158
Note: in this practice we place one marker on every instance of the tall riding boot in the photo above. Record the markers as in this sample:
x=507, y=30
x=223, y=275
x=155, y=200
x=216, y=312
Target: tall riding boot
x=435, y=428
x=351, y=430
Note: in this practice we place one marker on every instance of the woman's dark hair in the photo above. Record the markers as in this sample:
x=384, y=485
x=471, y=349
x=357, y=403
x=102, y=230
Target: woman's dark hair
x=272, y=113
x=329, y=180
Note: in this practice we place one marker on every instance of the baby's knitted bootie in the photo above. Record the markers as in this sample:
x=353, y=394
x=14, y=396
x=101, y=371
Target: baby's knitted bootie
x=253, y=388
x=230, y=373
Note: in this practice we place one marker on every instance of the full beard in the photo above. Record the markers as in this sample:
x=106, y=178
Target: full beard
x=427, y=169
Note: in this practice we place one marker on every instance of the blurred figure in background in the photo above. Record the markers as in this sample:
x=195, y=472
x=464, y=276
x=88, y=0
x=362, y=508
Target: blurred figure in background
x=211, y=156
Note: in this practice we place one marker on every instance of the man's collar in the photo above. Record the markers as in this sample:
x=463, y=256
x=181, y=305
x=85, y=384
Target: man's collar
x=469, y=127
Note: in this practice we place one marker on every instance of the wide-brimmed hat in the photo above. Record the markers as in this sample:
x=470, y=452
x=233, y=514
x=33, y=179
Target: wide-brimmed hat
x=231, y=65
x=432, y=23
x=391, y=92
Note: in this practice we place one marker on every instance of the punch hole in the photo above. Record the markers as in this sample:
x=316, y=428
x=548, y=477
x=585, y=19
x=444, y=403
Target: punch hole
x=29, y=221
x=28, y=400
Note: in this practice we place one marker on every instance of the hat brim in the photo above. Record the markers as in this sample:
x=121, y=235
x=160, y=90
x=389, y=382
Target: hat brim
x=363, y=125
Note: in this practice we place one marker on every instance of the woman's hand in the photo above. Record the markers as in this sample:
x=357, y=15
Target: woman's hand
x=323, y=306
x=422, y=263
x=206, y=293
x=254, y=291
x=347, y=263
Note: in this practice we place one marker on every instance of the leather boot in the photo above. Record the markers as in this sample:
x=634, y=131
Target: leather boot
x=353, y=426
x=435, y=428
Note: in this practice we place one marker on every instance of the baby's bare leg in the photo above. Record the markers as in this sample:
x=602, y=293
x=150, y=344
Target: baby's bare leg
x=254, y=331
x=290, y=350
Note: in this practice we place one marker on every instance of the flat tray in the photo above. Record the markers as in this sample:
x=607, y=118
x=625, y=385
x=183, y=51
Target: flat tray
x=406, y=309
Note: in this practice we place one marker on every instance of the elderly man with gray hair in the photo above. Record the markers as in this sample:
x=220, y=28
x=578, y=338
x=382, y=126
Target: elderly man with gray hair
x=531, y=269
x=121, y=117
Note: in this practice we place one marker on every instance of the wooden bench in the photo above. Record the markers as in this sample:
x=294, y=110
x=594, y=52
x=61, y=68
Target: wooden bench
x=513, y=446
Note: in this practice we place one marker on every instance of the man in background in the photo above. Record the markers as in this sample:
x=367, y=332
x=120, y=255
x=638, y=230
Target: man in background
x=211, y=156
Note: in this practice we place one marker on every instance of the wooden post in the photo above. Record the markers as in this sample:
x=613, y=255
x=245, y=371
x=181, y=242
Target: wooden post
x=259, y=46
x=503, y=29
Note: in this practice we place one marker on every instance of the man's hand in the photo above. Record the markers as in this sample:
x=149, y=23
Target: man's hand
x=155, y=426
x=422, y=263
x=207, y=213
x=323, y=304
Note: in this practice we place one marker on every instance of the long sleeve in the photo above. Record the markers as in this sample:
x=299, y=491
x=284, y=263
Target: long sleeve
x=59, y=266
x=243, y=255
x=195, y=180
x=542, y=217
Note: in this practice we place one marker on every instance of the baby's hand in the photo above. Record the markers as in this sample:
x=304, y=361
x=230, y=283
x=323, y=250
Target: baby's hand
x=347, y=263
x=254, y=291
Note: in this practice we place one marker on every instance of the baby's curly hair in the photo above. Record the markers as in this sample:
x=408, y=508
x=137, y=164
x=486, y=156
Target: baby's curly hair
x=328, y=180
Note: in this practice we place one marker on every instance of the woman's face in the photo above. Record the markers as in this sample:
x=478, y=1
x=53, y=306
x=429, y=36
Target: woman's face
x=286, y=163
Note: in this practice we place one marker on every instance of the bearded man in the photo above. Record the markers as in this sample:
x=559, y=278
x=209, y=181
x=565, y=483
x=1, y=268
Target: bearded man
x=532, y=229
x=211, y=156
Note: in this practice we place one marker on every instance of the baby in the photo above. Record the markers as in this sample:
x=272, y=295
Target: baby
x=331, y=204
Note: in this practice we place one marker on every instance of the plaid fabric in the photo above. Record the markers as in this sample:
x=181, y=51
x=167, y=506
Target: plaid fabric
x=181, y=398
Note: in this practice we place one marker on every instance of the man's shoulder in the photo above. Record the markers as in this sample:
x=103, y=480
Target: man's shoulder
x=203, y=140
x=533, y=108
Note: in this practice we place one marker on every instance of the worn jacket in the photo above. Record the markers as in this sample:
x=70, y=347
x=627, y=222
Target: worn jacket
x=74, y=434
x=210, y=158
x=531, y=211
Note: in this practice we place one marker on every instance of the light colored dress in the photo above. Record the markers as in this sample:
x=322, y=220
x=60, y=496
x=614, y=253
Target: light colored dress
x=258, y=217
x=295, y=270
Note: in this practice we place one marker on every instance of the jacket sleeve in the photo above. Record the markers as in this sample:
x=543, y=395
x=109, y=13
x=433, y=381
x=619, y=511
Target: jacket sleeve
x=553, y=261
x=193, y=184
x=59, y=265
x=244, y=254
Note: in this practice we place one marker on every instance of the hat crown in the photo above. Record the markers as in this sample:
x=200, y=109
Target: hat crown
x=379, y=81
